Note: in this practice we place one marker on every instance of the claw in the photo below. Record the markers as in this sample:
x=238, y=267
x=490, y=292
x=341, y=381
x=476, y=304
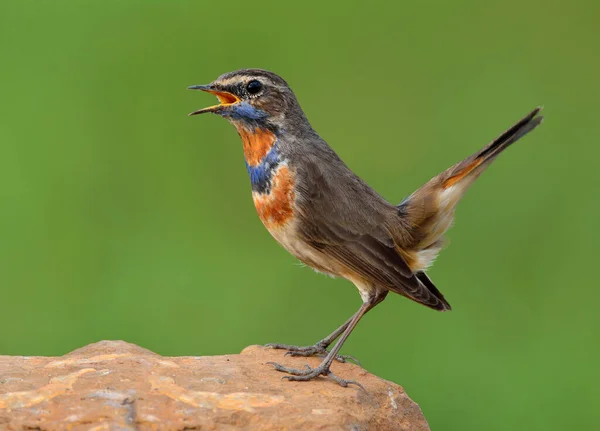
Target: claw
x=311, y=373
x=344, y=383
x=306, y=351
x=288, y=370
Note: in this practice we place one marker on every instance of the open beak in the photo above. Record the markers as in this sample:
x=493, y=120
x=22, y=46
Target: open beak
x=225, y=98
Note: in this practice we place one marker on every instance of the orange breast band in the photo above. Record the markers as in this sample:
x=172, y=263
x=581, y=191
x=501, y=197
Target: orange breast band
x=277, y=208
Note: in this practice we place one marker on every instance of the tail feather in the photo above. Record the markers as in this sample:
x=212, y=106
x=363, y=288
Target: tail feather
x=491, y=151
x=429, y=211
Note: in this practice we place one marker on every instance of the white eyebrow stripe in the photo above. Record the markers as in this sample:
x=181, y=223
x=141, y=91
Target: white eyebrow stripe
x=247, y=78
x=235, y=80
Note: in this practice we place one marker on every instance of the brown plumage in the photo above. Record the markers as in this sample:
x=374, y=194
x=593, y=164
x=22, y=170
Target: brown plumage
x=328, y=217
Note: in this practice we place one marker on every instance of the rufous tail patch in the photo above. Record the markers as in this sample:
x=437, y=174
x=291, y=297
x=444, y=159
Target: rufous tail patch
x=456, y=178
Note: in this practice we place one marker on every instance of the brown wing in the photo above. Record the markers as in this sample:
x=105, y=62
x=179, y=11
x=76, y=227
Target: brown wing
x=342, y=217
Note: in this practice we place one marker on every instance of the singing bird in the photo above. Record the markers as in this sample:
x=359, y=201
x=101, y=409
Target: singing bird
x=328, y=217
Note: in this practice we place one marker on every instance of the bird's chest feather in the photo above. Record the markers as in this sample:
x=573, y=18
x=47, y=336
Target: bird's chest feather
x=273, y=181
x=274, y=193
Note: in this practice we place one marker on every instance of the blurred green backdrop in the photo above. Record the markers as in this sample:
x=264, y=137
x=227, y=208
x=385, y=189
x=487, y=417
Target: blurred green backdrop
x=122, y=218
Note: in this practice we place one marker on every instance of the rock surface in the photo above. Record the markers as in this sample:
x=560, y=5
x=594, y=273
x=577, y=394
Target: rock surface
x=113, y=385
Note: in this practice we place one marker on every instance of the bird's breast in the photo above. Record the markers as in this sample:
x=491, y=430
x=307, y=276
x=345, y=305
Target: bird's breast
x=276, y=207
x=274, y=193
x=273, y=180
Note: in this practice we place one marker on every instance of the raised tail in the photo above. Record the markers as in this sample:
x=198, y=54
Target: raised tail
x=488, y=153
x=429, y=211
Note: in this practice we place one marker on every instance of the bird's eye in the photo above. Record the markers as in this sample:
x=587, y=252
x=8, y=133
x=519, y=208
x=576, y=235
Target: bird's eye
x=254, y=87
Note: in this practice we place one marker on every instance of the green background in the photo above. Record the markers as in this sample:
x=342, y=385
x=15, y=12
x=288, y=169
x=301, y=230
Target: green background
x=122, y=218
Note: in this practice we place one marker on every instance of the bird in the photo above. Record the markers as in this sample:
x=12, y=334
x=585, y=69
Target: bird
x=321, y=212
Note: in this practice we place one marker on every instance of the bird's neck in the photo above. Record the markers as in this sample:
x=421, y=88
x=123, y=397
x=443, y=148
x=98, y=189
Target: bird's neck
x=257, y=143
x=262, y=156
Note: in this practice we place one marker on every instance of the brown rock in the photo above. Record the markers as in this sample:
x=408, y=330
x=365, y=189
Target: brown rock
x=113, y=385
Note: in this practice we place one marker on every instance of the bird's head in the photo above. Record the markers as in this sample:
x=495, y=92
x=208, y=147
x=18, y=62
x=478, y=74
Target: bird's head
x=253, y=98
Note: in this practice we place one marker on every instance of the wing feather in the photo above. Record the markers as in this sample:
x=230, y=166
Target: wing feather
x=349, y=226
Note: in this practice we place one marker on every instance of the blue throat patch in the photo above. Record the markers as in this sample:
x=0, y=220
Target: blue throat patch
x=261, y=174
x=247, y=113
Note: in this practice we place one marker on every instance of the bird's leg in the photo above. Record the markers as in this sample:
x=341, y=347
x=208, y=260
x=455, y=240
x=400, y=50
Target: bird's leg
x=319, y=348
x=323, y=369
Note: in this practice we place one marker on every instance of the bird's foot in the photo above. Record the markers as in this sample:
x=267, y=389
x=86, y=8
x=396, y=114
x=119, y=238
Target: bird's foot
x=311, y=373
x=316, y=350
